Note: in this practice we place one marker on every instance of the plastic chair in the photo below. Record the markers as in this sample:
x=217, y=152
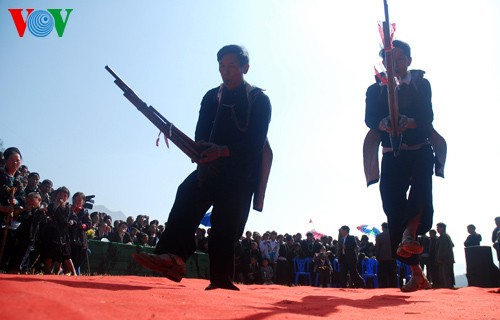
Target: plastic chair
x=301, y=267
x=404, y=272
x=369, y=270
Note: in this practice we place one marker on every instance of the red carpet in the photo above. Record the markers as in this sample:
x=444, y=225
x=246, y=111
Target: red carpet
x=130, y=297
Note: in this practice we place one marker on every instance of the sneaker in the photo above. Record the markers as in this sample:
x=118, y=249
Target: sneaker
x=170, y=265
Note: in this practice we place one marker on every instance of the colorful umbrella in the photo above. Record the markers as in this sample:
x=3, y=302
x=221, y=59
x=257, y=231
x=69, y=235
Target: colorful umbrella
x=368, y=229
x=316, y=234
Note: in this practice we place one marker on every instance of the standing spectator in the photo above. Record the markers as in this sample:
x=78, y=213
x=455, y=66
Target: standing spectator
x=79, y=223
x=32, y=186
x=474, y=238
x=309, y=245
x=274, y=248
x=432, y=268
x=387, y=267
x=495, y=231
x=290, y=244
x=25, y=233
x=45, y=191
x=348, y=259
x=281, y=271
x=445, y=258
x=8, y=201
x=496, y=246
x=264, y=245
x=57, y=235
x=139, y=223
x=130, y=223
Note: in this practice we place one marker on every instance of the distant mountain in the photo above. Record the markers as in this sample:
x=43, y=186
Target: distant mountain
x=116, y=215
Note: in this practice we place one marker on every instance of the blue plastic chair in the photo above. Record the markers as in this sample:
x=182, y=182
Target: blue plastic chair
x=301, y=267
x=404, y=272
x=369, y=270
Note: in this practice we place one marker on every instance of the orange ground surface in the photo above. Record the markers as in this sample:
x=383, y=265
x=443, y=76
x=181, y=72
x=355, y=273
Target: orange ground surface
x=131, y=297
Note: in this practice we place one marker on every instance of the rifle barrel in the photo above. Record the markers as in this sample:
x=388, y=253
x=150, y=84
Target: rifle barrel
x=395, y=135
x=181, y=140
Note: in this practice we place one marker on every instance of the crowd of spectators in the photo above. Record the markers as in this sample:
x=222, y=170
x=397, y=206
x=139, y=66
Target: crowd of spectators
x=49, y=235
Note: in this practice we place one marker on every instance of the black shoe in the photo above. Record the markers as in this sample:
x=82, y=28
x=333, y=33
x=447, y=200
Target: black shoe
x=225, y=285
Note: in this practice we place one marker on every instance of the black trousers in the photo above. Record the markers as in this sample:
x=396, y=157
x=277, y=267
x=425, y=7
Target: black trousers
x=231, y=205
x=350, y=267
x=410, y=171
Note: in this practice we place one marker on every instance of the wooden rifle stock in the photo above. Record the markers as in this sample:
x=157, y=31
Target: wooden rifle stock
x=181, y=140
x=395, y=135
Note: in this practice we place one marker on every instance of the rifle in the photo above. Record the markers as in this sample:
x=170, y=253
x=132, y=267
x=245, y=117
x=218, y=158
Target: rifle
x=395, y=136
x=182, y=141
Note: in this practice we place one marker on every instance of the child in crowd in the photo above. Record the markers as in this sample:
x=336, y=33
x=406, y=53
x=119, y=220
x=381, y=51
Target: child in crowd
x=266, y=272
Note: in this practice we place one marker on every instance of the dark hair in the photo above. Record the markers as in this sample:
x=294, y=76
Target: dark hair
x=63, y=189
x=346, y=228
x=34, y=174
x=384, y=225
x=80, y=195
x=400, y=45
x=10, y=151
x=240, y=52
x=442, y=225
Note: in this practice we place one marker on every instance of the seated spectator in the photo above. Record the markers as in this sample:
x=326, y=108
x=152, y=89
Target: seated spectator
x=143, y=239
x=323, y=268
x=266, y=272
x=103, y=231
x=134, y=232
x=253, y=271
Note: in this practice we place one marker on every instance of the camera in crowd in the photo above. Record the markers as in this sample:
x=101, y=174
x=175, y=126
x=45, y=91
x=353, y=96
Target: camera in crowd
x=89, y=202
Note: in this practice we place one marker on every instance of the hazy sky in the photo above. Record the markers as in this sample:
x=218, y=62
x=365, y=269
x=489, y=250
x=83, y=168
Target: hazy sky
x=314, y=57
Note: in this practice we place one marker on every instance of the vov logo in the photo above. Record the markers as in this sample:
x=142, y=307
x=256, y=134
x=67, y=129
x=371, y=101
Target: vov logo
x=40, y=23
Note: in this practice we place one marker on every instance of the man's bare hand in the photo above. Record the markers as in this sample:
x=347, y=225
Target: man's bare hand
x=212, y=152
